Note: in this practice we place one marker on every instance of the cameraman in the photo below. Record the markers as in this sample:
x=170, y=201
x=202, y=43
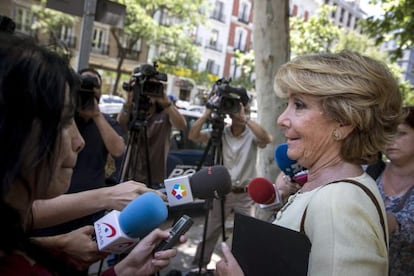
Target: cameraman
x=102, y=135
x=240, y=141
x=160, y=116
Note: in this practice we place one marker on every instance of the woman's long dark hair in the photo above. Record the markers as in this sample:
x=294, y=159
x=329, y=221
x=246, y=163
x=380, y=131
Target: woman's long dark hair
x=33, y=81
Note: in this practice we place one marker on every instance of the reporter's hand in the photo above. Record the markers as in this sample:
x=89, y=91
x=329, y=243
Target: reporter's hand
x=228, y=266
x=285, y=187
x=118, y=196
x=76, y=248
x=142, y=261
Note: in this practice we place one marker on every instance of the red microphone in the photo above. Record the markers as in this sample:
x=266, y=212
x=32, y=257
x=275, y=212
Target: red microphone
x=262, y=191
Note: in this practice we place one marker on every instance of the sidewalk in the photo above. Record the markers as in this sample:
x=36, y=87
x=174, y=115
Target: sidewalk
x=182, y=262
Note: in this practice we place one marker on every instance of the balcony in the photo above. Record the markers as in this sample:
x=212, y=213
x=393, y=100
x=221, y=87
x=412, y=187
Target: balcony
x=241, y=48
x=132, y=54
x=102, y=49
x=214, y=46
x=219, y=17
x=243, y=18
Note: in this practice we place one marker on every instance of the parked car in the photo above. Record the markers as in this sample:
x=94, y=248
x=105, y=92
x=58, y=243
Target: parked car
x=111, y=104
x=185, y=155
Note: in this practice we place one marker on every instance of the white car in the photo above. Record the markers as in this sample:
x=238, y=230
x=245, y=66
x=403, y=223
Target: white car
x=110, y=104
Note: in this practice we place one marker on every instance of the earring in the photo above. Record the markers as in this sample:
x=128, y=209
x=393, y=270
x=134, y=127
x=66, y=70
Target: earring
x=336, y=135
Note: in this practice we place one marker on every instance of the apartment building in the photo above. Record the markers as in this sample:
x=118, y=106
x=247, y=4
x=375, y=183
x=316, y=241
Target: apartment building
x=104, y=52
x=229, y=28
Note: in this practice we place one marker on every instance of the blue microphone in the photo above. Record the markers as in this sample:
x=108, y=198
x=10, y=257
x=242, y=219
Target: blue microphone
x=118, y=231
x=289, y=167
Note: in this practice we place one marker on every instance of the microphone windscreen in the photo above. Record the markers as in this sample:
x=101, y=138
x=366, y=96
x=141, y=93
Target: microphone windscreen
x=261, y=190
x=142, y=215
x=211, y=182
x=286, y=165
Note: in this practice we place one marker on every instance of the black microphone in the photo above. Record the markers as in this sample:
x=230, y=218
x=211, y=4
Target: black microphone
x=207, y=183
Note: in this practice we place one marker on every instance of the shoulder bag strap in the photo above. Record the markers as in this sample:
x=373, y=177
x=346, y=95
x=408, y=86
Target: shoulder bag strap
x=371, y=196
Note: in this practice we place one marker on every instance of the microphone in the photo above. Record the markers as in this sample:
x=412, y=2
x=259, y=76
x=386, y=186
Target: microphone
x=118, y=231
x=290, y=167
x=209, y=182
x=262, y=191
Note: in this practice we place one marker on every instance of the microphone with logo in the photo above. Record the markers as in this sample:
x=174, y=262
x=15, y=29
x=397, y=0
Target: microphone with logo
x=289, y=167
x=262, y=191
x=207, y=183
x=118, y=231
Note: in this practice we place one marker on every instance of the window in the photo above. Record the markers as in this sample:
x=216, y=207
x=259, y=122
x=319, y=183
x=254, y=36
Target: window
x=295, y=10
x=342, y=14
x=23, y=19
x=244, y=11
x=66, y=35
x=213, y=38
x=348, y=23
x=165, y=19
x=211, y=67
x=218, y=11
x=240, y=39
x=235, y=70
x=99, y=40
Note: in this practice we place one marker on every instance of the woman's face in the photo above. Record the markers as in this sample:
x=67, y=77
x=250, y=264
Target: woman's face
x=401, y=149
x=308, y=131
x=71, y=143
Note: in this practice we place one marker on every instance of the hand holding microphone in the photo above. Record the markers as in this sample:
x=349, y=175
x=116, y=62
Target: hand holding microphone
x=142, y=260
x=207, y=183
x=262, y=191
x=289, y=167
x=119, y=231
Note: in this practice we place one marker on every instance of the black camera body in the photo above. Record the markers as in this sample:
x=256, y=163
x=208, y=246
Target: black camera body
x=145, y=82
x=86, y=91
x=226, y=99
x=148, y=79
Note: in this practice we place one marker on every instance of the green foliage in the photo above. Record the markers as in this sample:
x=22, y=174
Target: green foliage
x=395, y=24
x=181, y=16
x=49, y=24
x=315, y=35
x=201, y=78
x=246, y=62
x=325, y=37
x=407, y=92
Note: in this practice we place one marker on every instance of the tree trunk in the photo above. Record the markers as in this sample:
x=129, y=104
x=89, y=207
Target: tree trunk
x=271, y=50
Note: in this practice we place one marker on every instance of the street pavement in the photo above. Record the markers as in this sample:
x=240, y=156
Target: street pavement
x=183, y=261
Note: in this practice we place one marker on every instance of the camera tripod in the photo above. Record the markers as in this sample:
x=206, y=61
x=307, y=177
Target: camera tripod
x=215, y=147
x=136, y=134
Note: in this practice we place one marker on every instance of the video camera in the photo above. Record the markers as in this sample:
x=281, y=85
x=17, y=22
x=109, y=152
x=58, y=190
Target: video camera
x=149, y=79
x=145, y=82
x=86, y=91
x=226, y=99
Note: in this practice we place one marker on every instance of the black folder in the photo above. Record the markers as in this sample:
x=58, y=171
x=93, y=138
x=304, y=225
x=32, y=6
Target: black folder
x=262, y=248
